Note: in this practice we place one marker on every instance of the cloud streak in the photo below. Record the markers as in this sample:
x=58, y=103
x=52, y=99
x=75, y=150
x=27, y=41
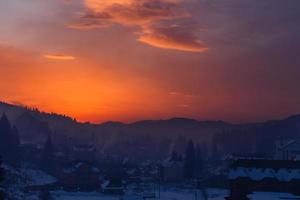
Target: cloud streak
x=87, y=25
x=173, y=37
x=59, y=57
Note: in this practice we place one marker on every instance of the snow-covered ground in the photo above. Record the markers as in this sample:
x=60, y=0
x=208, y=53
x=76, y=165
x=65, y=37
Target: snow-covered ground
x=272, y=196
x=172, y=194
x=28, y=177
x=37, y=177
x=213, y=194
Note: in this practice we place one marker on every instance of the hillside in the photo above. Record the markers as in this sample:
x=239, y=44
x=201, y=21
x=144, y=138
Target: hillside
x=150, y=137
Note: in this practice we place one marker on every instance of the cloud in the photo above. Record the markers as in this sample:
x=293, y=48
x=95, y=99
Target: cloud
x=183, y=105
x=59, y=57
x=88, y=25
x=173, y=37
x=145, y=14
x=174, y=93
x=135, y=12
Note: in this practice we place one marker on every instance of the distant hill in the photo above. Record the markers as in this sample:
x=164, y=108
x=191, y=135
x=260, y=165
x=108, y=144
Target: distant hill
x=151, y=137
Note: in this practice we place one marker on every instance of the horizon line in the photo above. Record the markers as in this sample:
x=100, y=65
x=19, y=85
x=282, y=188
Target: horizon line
x=141, y=120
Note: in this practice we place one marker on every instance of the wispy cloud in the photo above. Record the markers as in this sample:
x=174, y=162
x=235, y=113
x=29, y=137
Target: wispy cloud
x=181, y=94
x=174, y=93
x=189, y=96
x=59, y=57
x=173, y=37
x=148, y=15
x=87, y=25
x=184, y=105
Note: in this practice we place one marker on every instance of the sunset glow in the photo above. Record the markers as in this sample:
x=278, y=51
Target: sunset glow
x=128, y=60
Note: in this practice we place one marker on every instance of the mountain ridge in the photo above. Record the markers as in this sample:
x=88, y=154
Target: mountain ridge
x=156, y=135
x=112, y=122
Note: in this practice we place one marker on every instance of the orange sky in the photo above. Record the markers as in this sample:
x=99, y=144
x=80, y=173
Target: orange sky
x=129, y=60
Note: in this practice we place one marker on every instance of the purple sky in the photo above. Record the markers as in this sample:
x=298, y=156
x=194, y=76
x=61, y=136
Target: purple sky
x=127, y=60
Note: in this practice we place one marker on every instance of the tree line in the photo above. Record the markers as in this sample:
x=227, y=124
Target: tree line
x=11, y=155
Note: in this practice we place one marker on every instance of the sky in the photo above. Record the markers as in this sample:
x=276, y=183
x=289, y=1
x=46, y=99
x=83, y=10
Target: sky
x=128, y=60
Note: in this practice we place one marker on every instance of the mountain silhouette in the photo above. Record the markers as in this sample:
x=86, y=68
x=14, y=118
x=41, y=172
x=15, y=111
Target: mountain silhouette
x=157, y=135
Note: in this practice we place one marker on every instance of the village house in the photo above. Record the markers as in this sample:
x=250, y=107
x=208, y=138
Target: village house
x=172, y=169
x=80, y=172
x=287, y=150
x=113, y=187
x=83, y=153
x=81, y=176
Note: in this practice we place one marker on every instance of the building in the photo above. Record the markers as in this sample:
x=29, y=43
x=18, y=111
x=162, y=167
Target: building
x=255, y=175
x=30, y=153
x=287, y=150
x=81, y=176
x=86, y=153
x=113, y=187
x=173, y=169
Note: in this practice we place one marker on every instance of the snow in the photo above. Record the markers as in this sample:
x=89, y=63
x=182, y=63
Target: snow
x=78, y=165
x=80, y=196
x=213, y=194
x=131, y=172
x=258, y=174
x=105, y=184
x=37, y=177
x=30, y=176
x=171, y=194
x=271, y=196
x=95, y=169
x=74, y=168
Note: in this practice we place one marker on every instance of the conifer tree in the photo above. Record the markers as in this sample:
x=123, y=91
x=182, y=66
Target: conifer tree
x=47, y=160
x=175, y=156
x=189, y=162
x=45, y=195
x=5, y=131
x=9, y=142
x=199, y=162
x=1, y=180
x=15, y=145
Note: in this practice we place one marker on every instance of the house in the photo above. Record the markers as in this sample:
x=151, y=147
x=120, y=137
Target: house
x=86, y=153
x=262, y=175
x=114, y=187
x=172, y=169
x=30, y=153
x=81, y=176
x=287, y=150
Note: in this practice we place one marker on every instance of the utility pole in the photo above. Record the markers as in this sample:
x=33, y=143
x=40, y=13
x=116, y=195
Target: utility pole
x=159, y=187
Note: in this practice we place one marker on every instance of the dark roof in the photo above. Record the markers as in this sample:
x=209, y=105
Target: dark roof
x=264, y=163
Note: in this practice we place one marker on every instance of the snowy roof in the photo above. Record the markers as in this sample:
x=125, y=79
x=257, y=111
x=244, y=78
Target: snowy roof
x=105, y=184
x=76, y=166
x=108, y=185
x=131, y=171
x=30, y=176
x=283, y=175
x=258, y=170
x=249, y=156
x=271, y=195
x=169, y=162
x=84, y=148
x=285, y=144
x=38, y=177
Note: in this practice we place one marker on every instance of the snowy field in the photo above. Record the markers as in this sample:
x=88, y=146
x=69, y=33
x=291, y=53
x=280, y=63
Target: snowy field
x=172, y=194
x=272, y=196
x=213, y=194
